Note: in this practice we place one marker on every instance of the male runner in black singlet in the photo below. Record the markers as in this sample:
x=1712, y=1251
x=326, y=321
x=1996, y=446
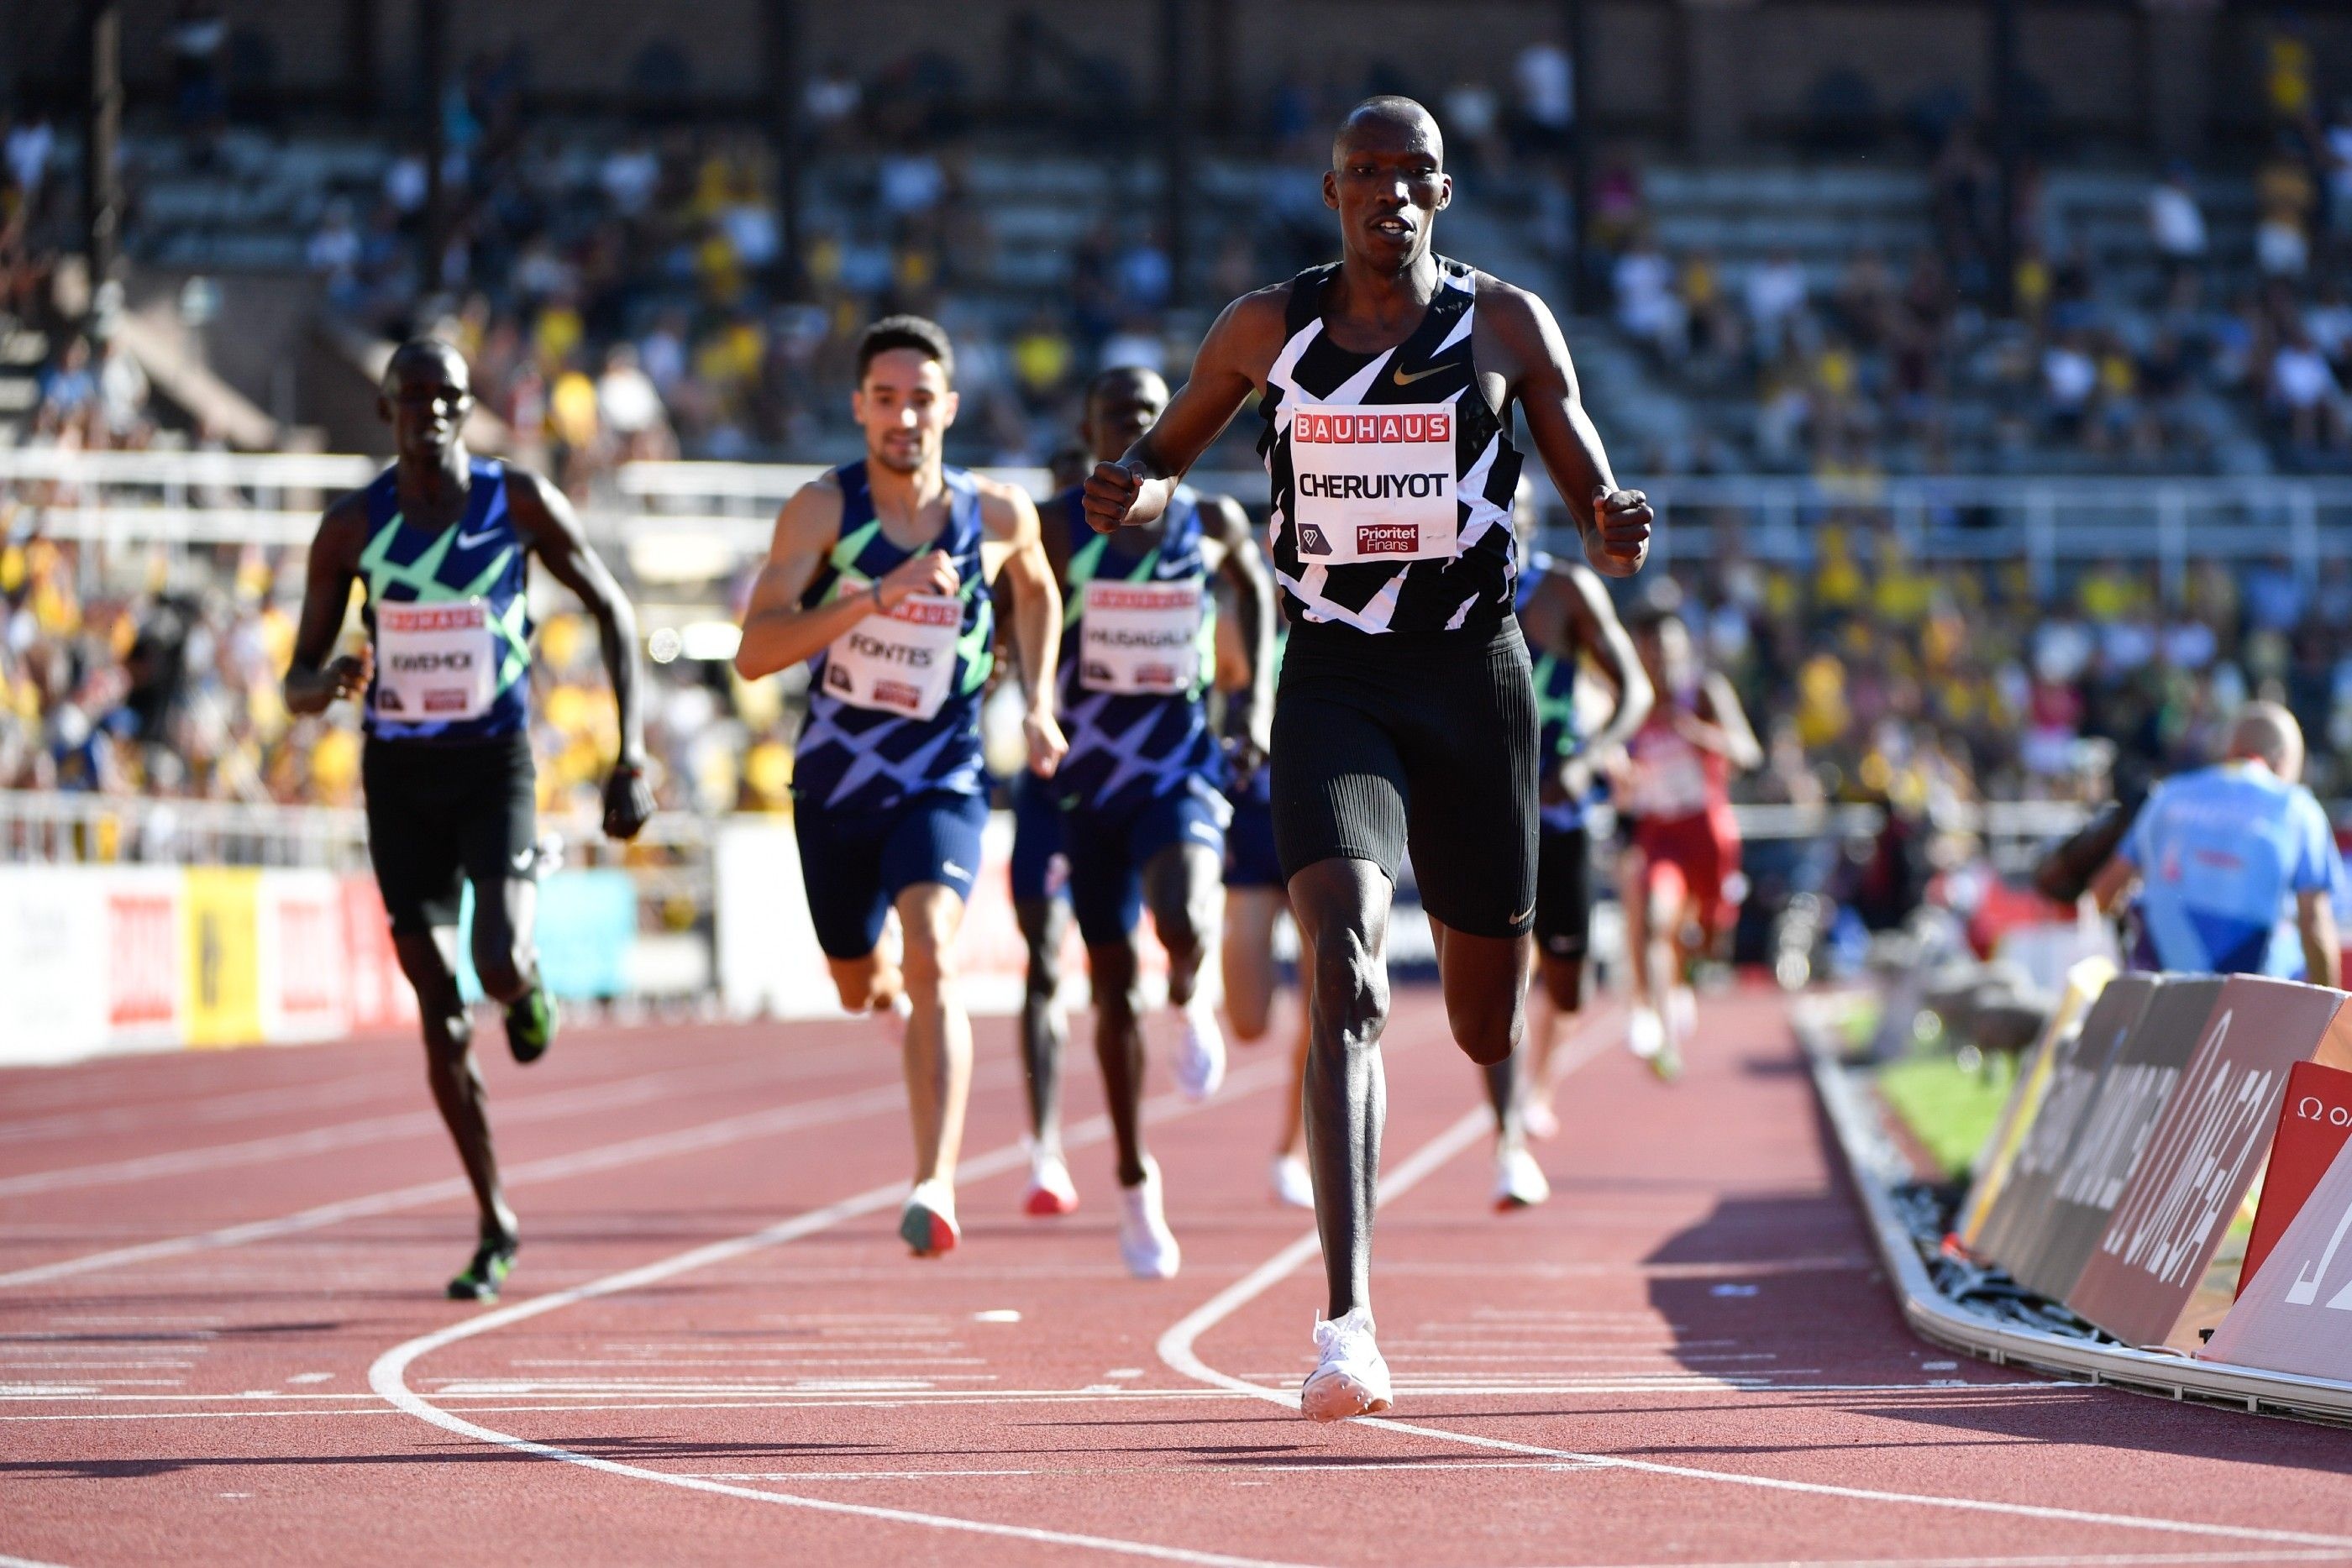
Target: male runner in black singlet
x=1405, y=710
x=441, y=542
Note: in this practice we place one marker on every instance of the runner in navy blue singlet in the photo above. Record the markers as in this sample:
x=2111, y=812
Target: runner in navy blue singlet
x=440, y=546
x=1143, y=810
x=878, y=579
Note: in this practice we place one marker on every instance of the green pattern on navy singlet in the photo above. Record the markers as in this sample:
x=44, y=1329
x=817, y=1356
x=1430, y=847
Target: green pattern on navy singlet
x=1131, y=746
x=479, y=557
x=1557, y=733
x=862, y=760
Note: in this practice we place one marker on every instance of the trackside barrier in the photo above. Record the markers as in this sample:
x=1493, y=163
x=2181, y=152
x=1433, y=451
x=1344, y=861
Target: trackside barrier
x=1908, y=1232
x=2137, y=1132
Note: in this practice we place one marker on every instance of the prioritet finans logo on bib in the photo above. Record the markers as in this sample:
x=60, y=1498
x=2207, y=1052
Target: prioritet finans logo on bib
x=1387, y=538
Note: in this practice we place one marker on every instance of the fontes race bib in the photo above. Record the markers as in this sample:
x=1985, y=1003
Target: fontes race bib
x=1140, y=637
x=901, y=662
x=1373, y=483
x=434, y=662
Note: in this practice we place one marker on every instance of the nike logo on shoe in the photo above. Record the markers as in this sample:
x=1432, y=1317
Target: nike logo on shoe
x=1404, y=379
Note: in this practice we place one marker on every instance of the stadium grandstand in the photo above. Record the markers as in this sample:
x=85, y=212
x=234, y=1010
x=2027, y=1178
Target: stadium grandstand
x=1988, y=366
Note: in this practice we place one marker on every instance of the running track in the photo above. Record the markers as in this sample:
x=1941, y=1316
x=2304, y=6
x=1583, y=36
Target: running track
x=221, y=1336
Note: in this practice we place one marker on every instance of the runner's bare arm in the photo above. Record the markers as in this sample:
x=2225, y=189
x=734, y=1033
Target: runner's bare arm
x=1593, y=624
x=313, y=680
x=1233, y=361
x=549, y=525
x=1250, y=711
x=777, y=632
x=1517, y=339
x=1723, y=727
x=1009, y=520
x=2323, y=955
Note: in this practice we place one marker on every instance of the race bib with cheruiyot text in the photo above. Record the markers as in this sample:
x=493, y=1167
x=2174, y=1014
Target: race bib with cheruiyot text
x=901, y=662
x=1137, y=637
x=1373, y=483
x=434, y=664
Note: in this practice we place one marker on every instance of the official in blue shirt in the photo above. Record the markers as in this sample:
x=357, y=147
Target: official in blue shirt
x=2222, y=854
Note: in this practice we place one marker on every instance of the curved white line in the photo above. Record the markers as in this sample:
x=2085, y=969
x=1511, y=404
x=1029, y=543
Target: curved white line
x=389, y=1376
x=1176, y=1349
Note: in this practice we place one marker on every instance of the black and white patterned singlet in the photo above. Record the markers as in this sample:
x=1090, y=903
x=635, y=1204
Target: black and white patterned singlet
x=1357, y=449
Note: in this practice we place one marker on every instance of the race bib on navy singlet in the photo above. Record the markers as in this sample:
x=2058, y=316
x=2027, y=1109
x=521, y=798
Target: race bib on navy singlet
x=1140, y=637
x=434, y=662
x=901, y=662
x=1373, y=483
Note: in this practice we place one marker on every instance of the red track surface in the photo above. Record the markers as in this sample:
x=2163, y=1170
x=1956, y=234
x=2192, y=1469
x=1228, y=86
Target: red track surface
x=222, y=1339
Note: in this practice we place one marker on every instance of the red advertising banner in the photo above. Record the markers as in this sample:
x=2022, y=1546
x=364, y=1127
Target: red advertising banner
x=2295, y=1315
x=380, y=997
x=2314, y=1124
x=142, y=971
x=2201, y=1159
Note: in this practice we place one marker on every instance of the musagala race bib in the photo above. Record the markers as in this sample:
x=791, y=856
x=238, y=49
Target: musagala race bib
x=434, y=662
x=902, y=661
x=1140, y=637
x=1373, y=483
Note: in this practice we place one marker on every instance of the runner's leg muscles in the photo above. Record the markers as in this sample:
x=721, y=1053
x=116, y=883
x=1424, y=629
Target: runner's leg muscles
x=1248, y=959
x=939, y=1034
x=1180, y=885
x=1342, y=909
x=1044, y=1029
x=504, y=957
x=426, y=957
x=1118, y=1046
x=1485, y=980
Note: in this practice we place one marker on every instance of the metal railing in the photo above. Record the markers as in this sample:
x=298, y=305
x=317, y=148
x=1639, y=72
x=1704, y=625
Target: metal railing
x=2043, y=521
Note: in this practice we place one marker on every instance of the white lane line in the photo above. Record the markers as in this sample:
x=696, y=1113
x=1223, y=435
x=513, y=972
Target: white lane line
x=9, y=1561
x=601, y=1158
x=1177, y=1349
x=388, y=1377
x=239, y=1106
x=612, y=1094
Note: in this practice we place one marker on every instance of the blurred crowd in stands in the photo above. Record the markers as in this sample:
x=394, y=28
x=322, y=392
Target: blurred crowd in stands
x=2193, y=350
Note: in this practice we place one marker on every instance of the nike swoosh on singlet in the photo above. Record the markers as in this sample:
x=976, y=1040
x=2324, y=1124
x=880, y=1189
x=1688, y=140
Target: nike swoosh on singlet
x=1404, y=379
x=468, y=541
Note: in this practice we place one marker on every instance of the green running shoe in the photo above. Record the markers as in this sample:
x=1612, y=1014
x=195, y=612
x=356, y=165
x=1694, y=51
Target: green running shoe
x=493, y=1261
x=531, y=1025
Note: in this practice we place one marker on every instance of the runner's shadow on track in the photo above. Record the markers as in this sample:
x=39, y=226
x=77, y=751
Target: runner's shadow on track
x=607, y=1447
x=1837, y=1328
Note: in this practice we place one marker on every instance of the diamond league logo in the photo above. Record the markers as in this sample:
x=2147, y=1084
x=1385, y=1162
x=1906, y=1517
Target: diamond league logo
x=1311, y=540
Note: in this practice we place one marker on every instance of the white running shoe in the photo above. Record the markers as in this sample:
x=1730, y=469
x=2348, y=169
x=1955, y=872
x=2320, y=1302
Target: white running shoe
x=928, y=1223
x=1351, y=1379
x=1646, y=1032
x=1538, y=1118
x=1145, y=1243
x=1051, y=1191
x=891, y=1018
x=1292, y=1183
x=1681, y=1011
x=1520, y=1182
x=1200, y=1059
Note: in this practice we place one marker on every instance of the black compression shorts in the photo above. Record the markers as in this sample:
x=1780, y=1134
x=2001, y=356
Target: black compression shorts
x=1419, y=738
x=439, y=816
x=1564, y=892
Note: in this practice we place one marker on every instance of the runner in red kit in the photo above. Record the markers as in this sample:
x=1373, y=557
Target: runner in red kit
x=1678, y=877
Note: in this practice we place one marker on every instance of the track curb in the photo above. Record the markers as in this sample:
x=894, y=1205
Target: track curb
x=1874, y=1164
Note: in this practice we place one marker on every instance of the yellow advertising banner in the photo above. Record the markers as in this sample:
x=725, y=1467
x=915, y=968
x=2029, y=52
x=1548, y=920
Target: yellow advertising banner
x=220, y=915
